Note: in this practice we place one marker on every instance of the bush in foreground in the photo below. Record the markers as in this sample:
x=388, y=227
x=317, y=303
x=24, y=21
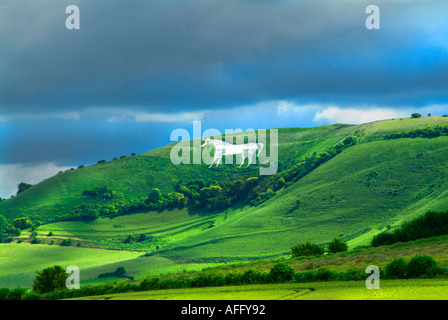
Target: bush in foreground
x=337, y=245
x=421, y=265
x=396, y=269
x=281, y=272
x=50, y=279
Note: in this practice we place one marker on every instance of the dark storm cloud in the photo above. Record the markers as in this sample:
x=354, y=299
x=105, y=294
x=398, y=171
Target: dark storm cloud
x=179, y=55
x=138, y=69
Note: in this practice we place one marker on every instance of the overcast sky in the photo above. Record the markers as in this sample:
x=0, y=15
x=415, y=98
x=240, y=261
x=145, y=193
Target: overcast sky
x=136, y=70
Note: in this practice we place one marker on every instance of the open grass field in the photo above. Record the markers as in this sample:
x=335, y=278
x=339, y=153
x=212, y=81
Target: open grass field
x=420, y=289
x=19, y=262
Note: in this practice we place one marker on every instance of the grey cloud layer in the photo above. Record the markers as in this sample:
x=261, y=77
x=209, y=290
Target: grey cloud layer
x=190, y=55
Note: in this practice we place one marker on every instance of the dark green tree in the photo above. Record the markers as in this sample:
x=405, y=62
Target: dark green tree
x=90, y=214
x=128, y=239
x=22, y=187
x=279, y=184
x=22, y=223
x=16, y=294
x=337, y=245
x=66, y=243
x=141, y=238
x=50, y=279
x=4, y=224
x=421, y=265
x=306, y=249
x=396, y=269
x=154, y=196
x=281, y=272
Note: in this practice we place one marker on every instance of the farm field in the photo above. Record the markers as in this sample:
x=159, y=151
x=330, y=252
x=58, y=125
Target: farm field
x=19, y=262
x=420, y=289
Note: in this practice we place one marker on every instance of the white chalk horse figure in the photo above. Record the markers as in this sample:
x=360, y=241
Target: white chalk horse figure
x=223, y=148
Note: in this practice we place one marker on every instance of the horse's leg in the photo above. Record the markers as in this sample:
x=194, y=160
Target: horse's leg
x=249, y=157
x=219, y=161
x=243, y=156
x=214, y=159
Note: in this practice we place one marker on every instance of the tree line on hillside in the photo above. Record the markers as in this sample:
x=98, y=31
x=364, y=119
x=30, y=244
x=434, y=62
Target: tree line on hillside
x=311, y=249
x=431, y=224
x=430, y=132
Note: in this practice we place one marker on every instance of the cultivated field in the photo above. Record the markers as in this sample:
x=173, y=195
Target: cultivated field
x=348, y=290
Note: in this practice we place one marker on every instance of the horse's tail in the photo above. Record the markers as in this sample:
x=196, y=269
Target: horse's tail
x=260, y=147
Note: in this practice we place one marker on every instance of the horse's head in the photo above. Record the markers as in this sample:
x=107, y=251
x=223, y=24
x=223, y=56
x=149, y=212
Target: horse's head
x=207, y=142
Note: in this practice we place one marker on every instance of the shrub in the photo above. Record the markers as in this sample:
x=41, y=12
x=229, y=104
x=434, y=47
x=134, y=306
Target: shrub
x=22, y=223
x=324, y=275
x=90, y=214
x=306, y=249
x=149, y=283
x=128, y=239
x=66, y=243
x=281, y=272
x=232, y=278
x=50, y=279
x=251, y=277
x=119, y=273
x=337, y=245
x=15, y=294
x=154, y=196
x=4, y=293
x=420, y=265
x=31, y=296
x=416, y=115
x=279, y=184
x=34, y=240
x=352, y=275
x=99, y=192
x=141, y=238
x=22, y=187
x=396, y=269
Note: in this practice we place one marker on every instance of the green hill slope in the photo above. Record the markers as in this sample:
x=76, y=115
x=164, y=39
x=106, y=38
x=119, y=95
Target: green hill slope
x=341, y=198
x=372, y=186
x=133, y=177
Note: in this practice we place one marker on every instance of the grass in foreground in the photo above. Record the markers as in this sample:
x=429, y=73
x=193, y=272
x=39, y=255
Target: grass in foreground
x=416, y=289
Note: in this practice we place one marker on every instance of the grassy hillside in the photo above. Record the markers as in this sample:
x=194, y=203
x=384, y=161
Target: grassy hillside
x=370, y=187
x=133, y=177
